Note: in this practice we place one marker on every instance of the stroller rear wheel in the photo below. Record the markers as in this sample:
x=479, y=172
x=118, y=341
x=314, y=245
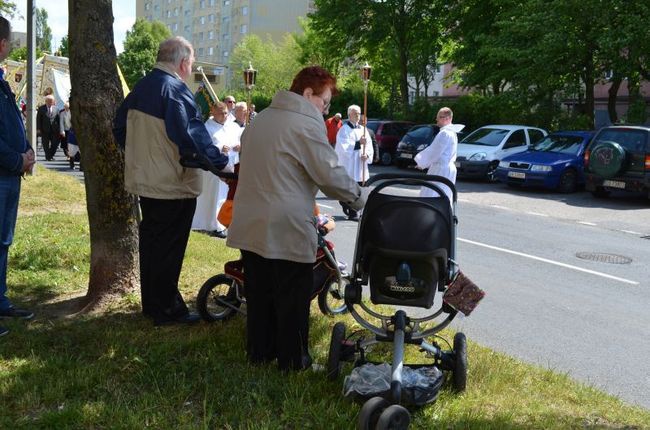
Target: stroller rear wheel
x=370, y=413
x=460, y=362
x=336, y=346
x=217, y=299
x=331, y=300
x=394, y=417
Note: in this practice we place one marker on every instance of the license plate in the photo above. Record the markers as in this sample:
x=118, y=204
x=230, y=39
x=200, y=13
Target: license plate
x=614, y=184
x=517, y=175
x=457, y=163
x=406, y=155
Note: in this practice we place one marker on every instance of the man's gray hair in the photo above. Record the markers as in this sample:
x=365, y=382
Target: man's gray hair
x=353, y=108
x=5, y=28
x=174, y=50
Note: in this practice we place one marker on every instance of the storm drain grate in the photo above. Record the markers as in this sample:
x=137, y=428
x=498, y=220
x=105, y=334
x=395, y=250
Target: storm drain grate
x=604, y=258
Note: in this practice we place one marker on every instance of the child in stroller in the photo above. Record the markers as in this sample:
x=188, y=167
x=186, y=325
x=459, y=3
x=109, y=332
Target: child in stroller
x=405, y=251
x=222, y=295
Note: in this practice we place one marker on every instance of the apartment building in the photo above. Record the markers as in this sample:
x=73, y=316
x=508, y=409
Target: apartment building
x=216, y=26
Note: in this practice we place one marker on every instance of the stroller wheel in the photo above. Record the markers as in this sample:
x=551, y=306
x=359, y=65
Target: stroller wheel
x=334, y=357
x=331, y=300
x=394, y=417
x=370, y=412
x=217, y=298
x=460, y=362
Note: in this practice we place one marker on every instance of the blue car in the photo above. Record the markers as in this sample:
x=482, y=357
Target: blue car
x=555, y=162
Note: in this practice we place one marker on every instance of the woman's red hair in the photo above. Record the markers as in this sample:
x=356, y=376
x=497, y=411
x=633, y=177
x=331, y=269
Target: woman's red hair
x=316, y=78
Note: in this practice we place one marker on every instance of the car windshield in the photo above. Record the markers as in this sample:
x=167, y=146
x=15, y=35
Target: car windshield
x=560, y=144
x=373, y=125
x=486, y=137
x=419, y=133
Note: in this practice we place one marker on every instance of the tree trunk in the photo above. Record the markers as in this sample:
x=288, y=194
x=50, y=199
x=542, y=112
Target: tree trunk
x=589, y=91
x=96, y=94
x=612, y=96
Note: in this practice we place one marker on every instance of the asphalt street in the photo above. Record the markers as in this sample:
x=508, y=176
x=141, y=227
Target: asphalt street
x=566, y=277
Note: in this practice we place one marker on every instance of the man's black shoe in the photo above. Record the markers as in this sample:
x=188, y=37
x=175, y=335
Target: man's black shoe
x=190, y=318
x=16, y=313
x=3, y=331
x=220, y=234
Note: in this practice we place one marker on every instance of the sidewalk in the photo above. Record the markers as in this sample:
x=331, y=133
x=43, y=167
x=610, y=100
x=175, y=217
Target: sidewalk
x=59, y=164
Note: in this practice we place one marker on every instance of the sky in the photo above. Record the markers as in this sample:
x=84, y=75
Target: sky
x=57, y=11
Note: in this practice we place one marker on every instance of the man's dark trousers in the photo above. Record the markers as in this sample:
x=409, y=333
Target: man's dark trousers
x=277, y=303
x=164, y=232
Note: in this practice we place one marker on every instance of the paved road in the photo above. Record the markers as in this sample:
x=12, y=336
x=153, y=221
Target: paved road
x=546, y=305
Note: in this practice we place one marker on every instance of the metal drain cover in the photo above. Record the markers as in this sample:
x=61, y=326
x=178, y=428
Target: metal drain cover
x=604, y=258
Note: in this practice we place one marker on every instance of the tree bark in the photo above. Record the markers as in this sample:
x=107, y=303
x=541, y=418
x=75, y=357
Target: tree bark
x=96, y=94
x=590, y=81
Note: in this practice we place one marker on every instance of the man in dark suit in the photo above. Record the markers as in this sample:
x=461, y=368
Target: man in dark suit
x=47, y=127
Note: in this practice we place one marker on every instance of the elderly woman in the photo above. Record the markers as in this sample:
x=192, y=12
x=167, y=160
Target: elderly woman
x=285, y=160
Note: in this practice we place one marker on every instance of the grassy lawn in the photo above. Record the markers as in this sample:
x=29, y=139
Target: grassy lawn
x=113, y=369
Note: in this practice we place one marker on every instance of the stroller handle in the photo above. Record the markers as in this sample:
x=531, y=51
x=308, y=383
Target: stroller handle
x=415, y=179
x=200, y=161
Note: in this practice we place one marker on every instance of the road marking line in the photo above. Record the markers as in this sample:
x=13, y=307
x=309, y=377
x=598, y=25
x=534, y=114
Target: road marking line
x=587, y=223
x=636, y=233
x=536, y=213
x=500, y=207
x=545, y=260
x=324, y=206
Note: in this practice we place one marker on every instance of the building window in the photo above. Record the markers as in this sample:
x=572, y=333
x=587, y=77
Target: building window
x=225, y=54
x=187, y=12
x=202, y=4
x=175, y=11
x=201, y=35
x=186, y=29
x=226, y=20
x=244, y=10
x=210, y=51
x=202, y=20
x=211, y=17
x=212, y=2
x=169, y=14
x=243, y=29
x=200, y=52
x=175, y=27
x=225, y=37
x=226, y=2
x=147, y=6
x=210, y=34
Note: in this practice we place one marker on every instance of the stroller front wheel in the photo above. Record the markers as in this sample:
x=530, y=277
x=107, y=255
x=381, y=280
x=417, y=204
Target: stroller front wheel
x=336, y=346
x=370, y=413
x=217, y=299
x=460, y=362
x=394, y=417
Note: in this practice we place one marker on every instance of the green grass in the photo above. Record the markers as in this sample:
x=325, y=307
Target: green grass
x=113, y=369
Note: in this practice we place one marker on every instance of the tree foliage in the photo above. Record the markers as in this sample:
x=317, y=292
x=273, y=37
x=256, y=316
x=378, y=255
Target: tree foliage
x=63, y=50
x=276, y=64
x=141, y=48
x=7, y=8
x=43, y=31
x=20, y=54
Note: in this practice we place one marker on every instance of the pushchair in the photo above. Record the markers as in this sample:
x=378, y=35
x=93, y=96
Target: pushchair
x=405, y=252
x=222, y=295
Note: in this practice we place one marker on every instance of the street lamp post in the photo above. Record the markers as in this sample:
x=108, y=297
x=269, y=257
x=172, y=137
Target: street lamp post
x=365, y=77
x=250, y=76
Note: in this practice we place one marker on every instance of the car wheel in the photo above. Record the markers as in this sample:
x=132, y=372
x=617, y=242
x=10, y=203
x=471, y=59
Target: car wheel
x=568, y=181
x=607, y=159
x=386, y=158
x=492, y=171
x=600, y=193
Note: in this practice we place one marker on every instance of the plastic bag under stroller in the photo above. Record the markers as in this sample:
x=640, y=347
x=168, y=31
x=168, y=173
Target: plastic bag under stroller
x=419, y=386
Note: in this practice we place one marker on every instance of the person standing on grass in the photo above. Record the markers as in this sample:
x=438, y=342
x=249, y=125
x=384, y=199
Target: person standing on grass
x=48, y=127
x=285, y=160
x=16, y=159
x=158, y=124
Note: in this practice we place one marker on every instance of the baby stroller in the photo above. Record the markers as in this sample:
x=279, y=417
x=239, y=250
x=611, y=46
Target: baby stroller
x=404, y=252
x=222, y=295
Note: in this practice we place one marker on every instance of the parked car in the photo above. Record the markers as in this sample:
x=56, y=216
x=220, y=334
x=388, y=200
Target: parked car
x=388, y=134
x=618, y=158
x=480, y=152
x=555, y=162
x=414, y=141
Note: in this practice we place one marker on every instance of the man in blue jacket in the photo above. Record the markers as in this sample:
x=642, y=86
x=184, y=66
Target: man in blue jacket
x=157, y=124
x=16, y=158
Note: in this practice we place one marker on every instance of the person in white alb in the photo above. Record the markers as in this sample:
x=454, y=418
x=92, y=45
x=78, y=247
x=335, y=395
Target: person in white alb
x=208, y=202
x=440, y=157
x=355, y=152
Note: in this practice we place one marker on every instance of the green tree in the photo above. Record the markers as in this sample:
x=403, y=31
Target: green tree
x=20, y=54
x=366, y=26
x=95, y=96
x=7, y=8
x=276, y=64
x=141, y=48
x=43, y=31
x=63, y=48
